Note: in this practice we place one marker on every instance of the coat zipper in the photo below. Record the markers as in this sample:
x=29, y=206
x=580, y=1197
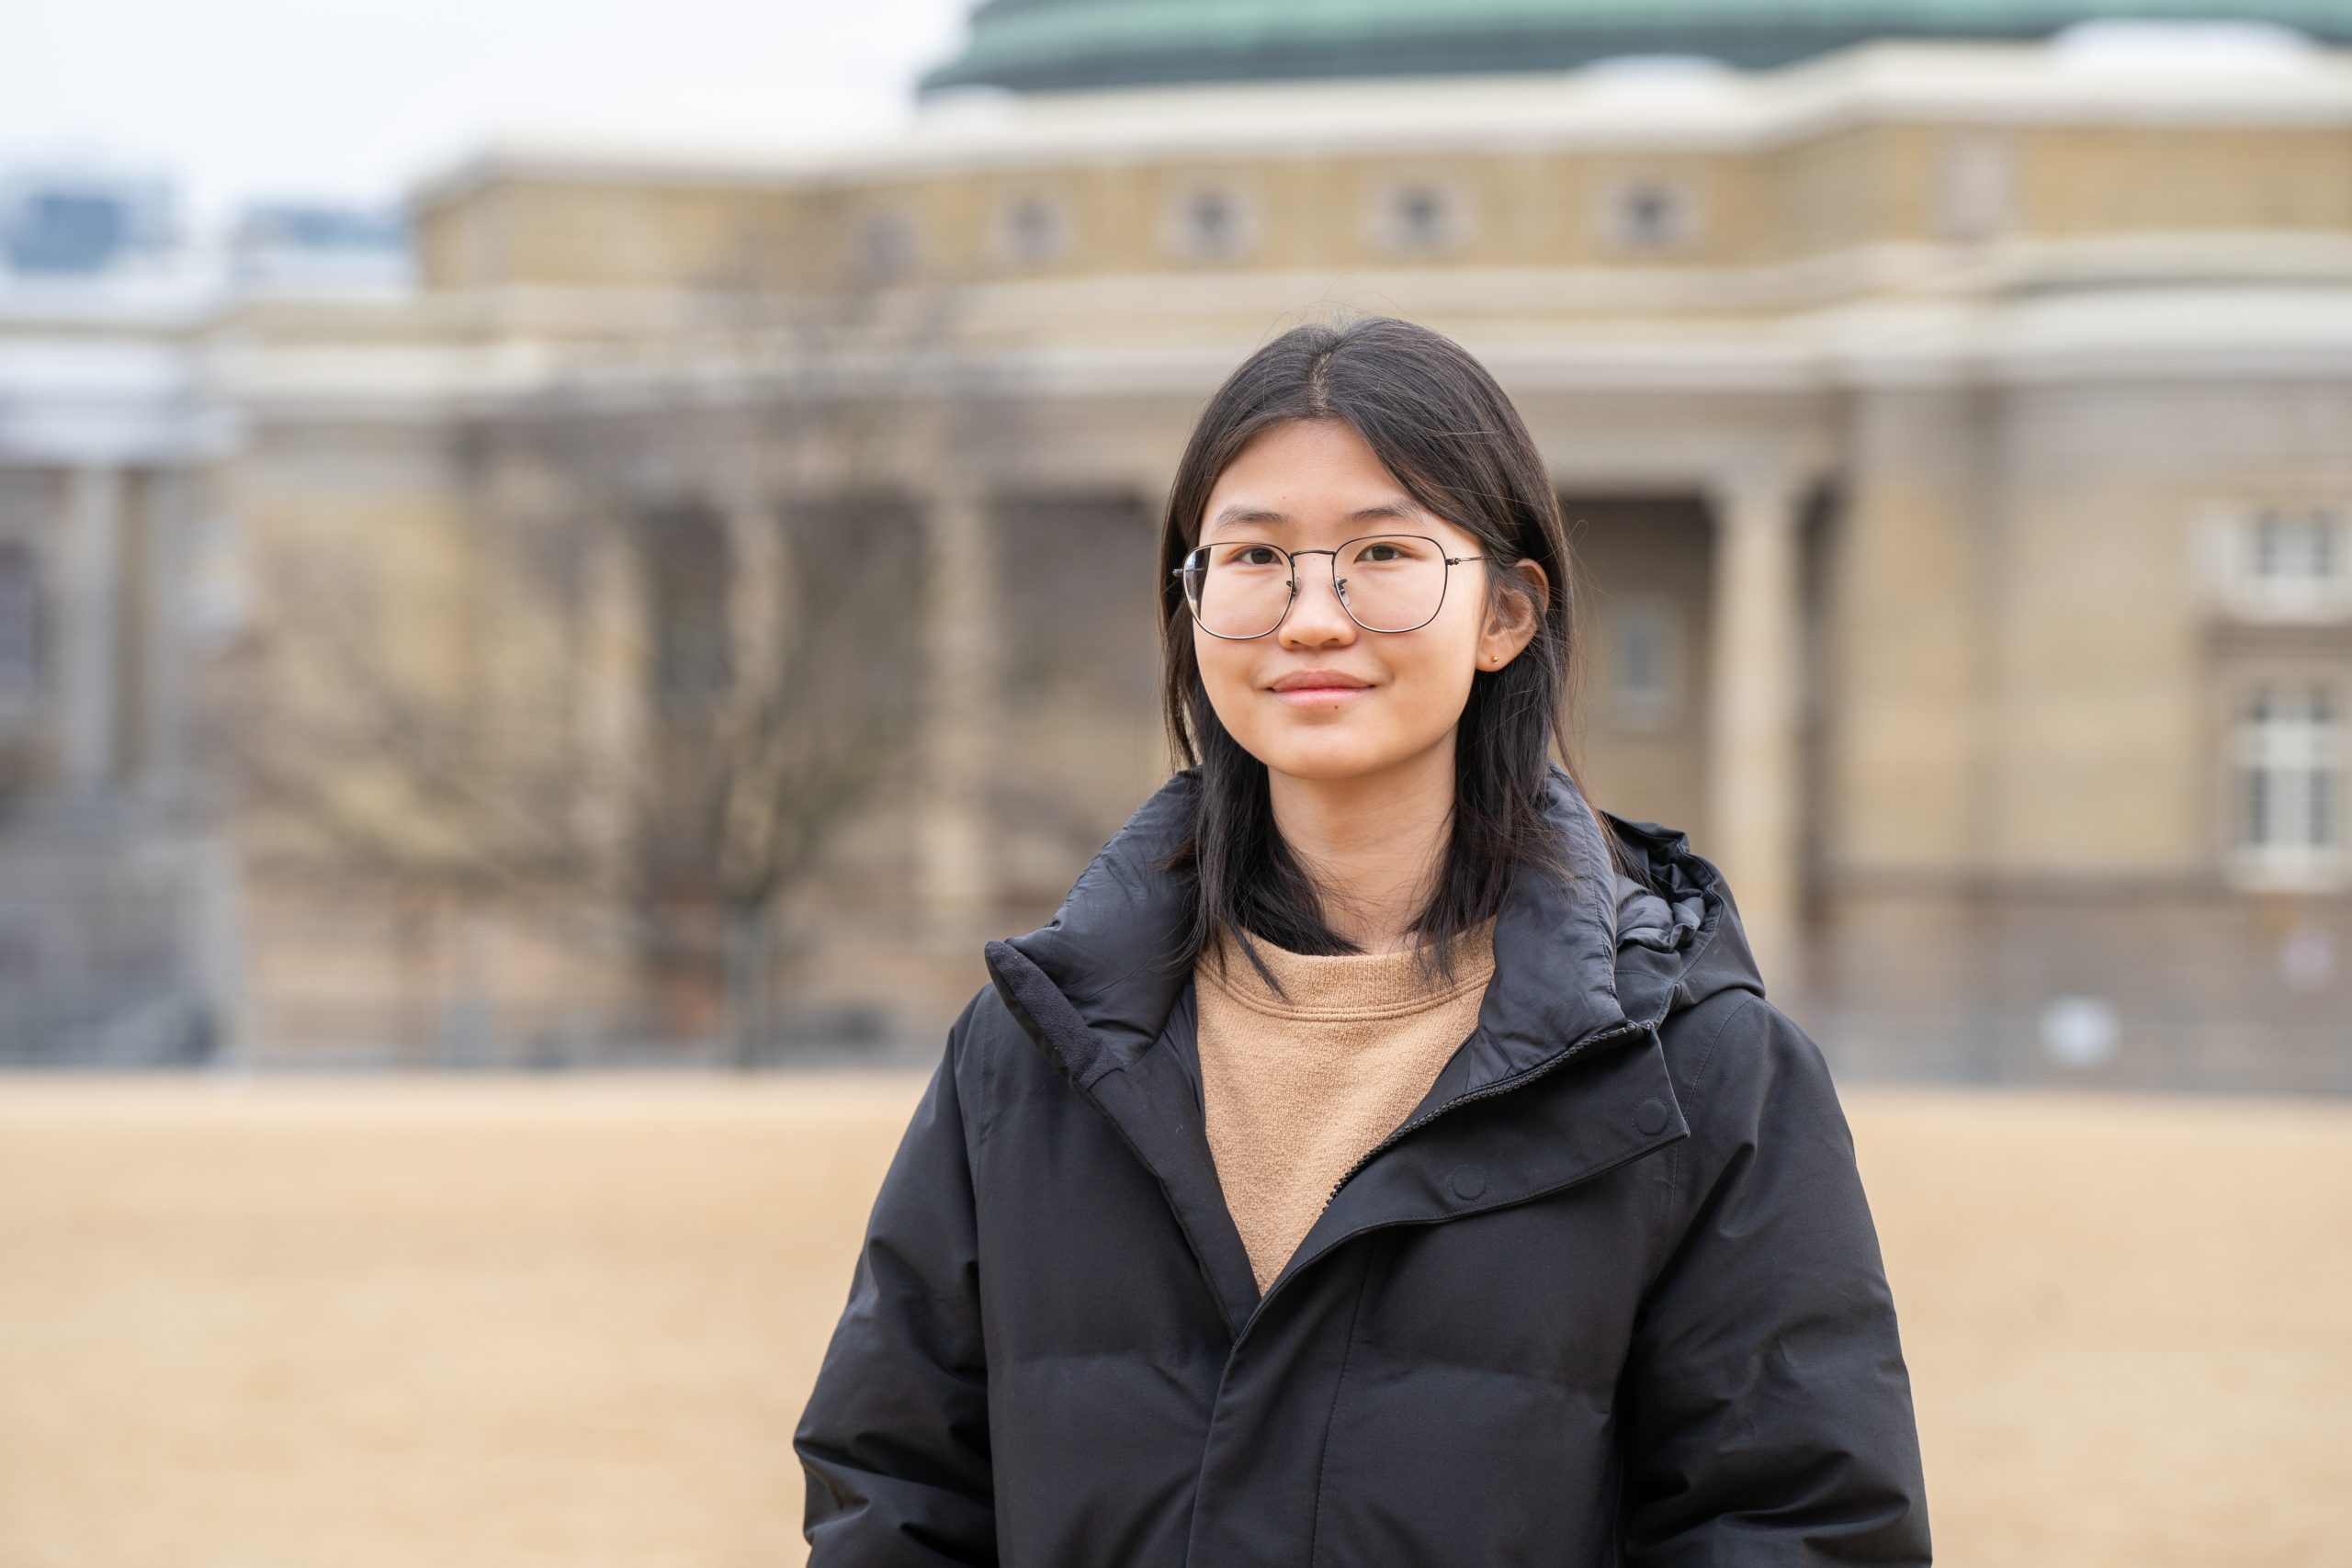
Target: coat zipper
x=1489, y=1092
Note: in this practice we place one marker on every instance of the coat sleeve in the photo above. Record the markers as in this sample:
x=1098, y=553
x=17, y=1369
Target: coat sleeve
x=895, y=1437
x=1766, y=1404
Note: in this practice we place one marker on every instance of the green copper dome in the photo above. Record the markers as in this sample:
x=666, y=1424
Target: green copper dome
x=1061, y=45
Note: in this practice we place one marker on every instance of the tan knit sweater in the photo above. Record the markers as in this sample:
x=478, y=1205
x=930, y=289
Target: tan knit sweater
x=1295, y=1090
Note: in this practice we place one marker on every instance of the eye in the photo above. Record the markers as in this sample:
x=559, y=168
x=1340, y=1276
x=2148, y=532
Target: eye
x=1258, y=554
x=1374, y=552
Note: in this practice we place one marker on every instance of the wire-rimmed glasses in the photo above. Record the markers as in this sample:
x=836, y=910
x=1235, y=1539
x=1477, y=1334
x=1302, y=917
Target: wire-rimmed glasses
x=1388, y=582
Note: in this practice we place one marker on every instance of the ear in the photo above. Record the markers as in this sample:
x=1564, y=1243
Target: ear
x=1514, y=617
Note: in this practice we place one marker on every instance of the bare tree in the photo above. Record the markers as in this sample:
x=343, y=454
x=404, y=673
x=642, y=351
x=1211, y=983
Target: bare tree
x=701, y=574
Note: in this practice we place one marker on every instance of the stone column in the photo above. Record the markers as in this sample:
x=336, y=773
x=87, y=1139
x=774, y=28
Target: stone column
x=963, y=650
x=610, y=674
x=1753, y=813
x=88, y=596
x=163, y=600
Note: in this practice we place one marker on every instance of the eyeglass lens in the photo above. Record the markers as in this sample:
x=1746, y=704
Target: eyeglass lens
x=1388, y=582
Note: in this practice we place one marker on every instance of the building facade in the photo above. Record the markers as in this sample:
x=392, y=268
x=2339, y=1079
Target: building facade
x=1955, y=433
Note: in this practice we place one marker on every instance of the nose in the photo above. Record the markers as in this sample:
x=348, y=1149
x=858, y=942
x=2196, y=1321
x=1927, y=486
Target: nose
x=1318, y=618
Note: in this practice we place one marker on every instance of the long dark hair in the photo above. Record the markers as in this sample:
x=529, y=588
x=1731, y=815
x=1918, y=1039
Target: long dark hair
x=1451, y=437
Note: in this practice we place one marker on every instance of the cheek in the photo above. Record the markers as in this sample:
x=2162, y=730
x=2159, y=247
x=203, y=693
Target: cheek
x=1224, y=675
x=1433, y=669
x=1440, y=658
x=1431, y=689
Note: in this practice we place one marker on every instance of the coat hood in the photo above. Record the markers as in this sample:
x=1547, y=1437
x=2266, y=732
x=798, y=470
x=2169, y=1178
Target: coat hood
x=1575, y=966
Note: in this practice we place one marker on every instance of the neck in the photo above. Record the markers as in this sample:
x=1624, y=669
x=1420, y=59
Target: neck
x=1372, y=843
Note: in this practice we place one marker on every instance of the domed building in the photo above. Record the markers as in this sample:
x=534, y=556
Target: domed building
x=1950, y=402
x=1040, y=46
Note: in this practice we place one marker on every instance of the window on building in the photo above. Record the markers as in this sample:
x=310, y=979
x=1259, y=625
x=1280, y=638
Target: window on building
x=688, y=571
x=1209, y=224
x=2290, y=561
x=2295, y=551
x=2290, y=777
x=1975, y=176
x=19, y=630
x=888, y=248
x=1032, y=230
x=1649, y=213
x=1421, y=218
x=1644, y=665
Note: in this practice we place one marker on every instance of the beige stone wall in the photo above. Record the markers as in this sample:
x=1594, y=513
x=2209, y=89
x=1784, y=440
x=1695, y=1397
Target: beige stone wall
x=1629, y=550
x=39, y=508
x=1909, y=640
x=1522, y=205
x=32, y=515
x=2084, y=181
x=572, y=234
x=2029, y=744
x=2105, y=750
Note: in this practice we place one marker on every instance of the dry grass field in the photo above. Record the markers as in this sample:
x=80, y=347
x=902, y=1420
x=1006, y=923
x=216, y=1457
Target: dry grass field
x=487, y=1324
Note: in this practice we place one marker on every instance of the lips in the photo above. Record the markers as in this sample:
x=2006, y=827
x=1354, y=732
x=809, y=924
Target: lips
x=1319, y=689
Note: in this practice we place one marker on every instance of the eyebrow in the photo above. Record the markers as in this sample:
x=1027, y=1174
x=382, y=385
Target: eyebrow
x=1238, y=513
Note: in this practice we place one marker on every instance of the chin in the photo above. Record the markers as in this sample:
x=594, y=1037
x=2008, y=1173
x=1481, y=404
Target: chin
x=1324, y=759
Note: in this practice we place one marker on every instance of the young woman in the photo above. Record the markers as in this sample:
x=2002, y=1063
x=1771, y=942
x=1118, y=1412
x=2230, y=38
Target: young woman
x=1382, y=1159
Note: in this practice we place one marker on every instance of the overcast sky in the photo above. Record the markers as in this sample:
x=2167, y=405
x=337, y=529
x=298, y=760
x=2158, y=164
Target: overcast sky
x=357, y=98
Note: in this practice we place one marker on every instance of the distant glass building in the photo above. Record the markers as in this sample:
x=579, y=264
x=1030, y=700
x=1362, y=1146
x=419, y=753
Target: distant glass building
x=322, y=243
x=81, y=224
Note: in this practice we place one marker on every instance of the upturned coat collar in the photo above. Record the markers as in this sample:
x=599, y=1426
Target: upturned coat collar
x=1095, y=990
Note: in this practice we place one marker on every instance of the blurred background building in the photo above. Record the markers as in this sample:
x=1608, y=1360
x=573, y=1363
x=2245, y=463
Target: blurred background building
x=632, y=608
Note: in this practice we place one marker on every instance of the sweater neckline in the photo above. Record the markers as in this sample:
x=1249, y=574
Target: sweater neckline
x=1328, y=987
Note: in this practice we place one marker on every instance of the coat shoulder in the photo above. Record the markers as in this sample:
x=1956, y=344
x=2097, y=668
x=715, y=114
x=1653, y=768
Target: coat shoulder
x=992, y=1053
x=1696, y=1037
x=986, y=1032
x=1733, y=1050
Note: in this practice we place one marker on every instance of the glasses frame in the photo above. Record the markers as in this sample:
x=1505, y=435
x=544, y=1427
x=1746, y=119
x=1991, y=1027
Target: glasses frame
x=1338, y=584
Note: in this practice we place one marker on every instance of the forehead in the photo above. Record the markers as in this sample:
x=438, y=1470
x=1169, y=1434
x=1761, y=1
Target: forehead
x=1308, y=473
x=1240, y=516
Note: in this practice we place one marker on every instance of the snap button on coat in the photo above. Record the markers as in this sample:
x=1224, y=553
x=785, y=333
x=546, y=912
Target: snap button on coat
x=1660, y=1336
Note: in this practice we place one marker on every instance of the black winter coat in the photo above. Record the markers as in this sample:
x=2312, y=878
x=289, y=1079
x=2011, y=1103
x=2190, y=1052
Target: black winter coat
x=1611, y=1293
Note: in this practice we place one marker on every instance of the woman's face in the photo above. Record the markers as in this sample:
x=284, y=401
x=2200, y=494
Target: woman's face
x=1315, y=484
